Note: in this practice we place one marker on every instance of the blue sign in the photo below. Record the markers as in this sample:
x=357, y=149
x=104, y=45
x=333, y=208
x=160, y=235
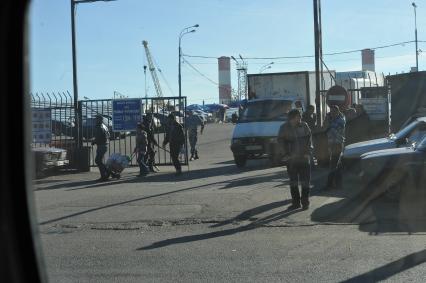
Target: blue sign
x=126, y=113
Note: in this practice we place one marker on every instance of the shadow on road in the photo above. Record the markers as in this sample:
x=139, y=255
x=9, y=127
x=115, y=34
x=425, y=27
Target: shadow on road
x=156, y=177
x=226, y=184
x=222, y=233
x=249, y=214
x=375, y=213
x=67, y=185
x=390, y=269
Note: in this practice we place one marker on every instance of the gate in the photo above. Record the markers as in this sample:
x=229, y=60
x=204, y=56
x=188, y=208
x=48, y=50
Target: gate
x=125, y=142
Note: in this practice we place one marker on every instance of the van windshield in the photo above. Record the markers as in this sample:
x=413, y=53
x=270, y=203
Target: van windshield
x=266, y=110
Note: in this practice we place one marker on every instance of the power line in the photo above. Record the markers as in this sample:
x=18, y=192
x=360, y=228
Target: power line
x=201, y=74
x=161, y=74
x=307, y=56
x=204, y=76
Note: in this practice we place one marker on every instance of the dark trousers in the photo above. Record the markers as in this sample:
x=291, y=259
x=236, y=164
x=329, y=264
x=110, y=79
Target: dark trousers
x=335, y=175
x=150, y=157
x=174, y=154
x=299, y=172
x=100, y=152
x=143, y=169
x=193, y=138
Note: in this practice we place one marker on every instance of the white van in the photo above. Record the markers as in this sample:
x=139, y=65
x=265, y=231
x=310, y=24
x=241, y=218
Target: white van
x=256, y=133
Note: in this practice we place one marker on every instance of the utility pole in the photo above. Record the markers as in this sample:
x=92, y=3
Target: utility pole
x=242, y=77
x=182, y=33
x=77, y=135
x=415, y=31
x=74, y=77
x=317, y=63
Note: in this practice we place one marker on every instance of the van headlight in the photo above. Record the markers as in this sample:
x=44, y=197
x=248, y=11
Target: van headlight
x=236, y=141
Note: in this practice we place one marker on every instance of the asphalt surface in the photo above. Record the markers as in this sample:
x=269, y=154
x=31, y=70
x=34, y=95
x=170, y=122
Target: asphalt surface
x=218, y=223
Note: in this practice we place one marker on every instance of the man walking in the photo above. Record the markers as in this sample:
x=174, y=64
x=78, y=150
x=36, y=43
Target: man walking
x=296, y=138
x=176, y=138
x=150, y=153
x=335, y=125
x=192, y=123
x=141, y=149
x=101, y=137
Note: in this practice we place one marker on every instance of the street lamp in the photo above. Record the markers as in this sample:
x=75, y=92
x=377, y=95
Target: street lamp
x=182, y=33
x=74, y=64
x=415, y=31
x=265, y=67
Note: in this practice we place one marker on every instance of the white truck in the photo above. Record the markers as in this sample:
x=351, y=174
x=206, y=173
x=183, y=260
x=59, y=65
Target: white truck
x=271, y=97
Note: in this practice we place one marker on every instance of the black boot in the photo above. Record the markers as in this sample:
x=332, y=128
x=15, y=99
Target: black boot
x=295, y=196
x=305, y=198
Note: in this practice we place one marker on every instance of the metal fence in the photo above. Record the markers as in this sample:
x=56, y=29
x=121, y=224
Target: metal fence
x=61, y=106
x=125, y=142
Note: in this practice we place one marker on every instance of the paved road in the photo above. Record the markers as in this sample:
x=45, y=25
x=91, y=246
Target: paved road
x=217, y=223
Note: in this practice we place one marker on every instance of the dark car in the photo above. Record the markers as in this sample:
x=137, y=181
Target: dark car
x=389, y=171
x=63, y=128
x=412, y=132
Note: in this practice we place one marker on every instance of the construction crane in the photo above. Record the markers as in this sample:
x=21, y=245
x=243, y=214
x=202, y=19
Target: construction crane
x=152, y=69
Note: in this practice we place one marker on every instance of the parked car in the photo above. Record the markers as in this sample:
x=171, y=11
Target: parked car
x=62, y=128
x=207, y=117
x=48, y=158
x=406, y=136
x=194, y=107
x=387, y=171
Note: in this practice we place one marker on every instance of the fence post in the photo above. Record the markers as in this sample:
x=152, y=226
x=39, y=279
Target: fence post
x=79, y=126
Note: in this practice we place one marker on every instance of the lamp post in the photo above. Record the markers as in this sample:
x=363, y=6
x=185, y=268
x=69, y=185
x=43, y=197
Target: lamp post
x=265, y=67
x=74, y=65
x=415, y=32
x=182, y=33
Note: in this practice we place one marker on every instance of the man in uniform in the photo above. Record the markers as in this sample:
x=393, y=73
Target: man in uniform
x=335, y=125
x=176, y=138
x=296, y=138
x=141, y=148
x=101, y=137
x=150, y=153
x=192, y=123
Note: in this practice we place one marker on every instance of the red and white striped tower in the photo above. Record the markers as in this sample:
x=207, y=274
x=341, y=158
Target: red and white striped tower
x=224, y=79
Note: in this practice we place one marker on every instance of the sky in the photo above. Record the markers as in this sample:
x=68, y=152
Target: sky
x=110, y=55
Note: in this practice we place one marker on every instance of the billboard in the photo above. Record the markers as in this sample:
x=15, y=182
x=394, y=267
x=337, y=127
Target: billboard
x=278, y=85
x=126, y=113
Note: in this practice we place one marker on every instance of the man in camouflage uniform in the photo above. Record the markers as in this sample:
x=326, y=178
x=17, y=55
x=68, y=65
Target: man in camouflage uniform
x=150, y=154
x=192, y=123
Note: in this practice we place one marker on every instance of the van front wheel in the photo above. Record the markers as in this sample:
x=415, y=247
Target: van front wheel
x=240, y=160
